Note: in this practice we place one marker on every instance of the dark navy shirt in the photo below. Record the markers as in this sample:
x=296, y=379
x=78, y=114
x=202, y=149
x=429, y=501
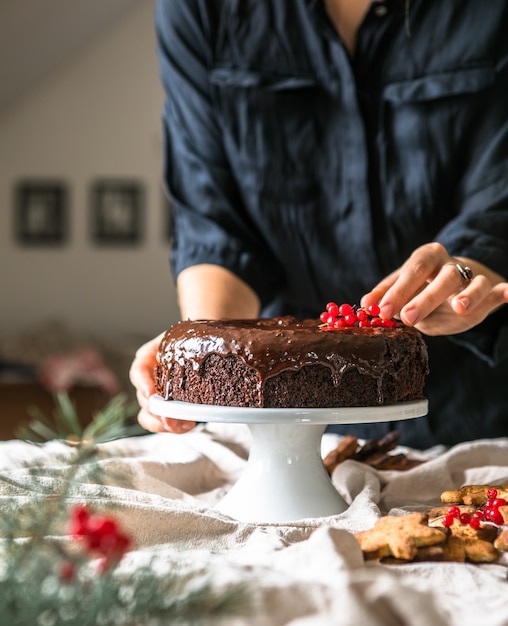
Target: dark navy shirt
x=311, y=174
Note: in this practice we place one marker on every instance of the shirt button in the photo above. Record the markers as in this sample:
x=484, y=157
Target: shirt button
x=381, y=10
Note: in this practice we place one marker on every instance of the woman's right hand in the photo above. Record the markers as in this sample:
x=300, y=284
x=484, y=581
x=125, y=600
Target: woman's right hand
x=141, y=376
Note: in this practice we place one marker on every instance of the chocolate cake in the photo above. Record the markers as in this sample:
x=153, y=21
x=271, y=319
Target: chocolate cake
x=283, y=362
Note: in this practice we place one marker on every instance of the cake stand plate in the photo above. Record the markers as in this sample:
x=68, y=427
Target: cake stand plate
x=284, y=479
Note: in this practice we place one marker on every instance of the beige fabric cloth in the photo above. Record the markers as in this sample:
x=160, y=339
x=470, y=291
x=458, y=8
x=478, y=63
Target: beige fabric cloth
x=163, y=488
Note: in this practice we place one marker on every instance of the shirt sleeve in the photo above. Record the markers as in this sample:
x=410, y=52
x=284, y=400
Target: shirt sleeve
x=211, y=224
x=480, y=230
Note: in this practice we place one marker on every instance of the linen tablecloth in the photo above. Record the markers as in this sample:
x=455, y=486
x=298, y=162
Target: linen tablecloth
x=162, y=488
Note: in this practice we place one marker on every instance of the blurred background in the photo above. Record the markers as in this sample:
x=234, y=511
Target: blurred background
x=84, y=229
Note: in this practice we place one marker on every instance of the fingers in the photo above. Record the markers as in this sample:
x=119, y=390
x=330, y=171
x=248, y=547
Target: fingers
x=478, y=292
x=374, y=296
x=141, y=376
x=150, y=422
x=447, y=282
x=494, y=298
x=178, y=427
x=413, y=277
x=437, y=293
x=141, y=371
x=157, y=424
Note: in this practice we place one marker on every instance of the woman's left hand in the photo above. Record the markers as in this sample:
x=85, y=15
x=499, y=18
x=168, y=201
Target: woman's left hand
x=439, y=294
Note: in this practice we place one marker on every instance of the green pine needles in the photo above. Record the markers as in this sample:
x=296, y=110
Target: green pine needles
x=54, y=574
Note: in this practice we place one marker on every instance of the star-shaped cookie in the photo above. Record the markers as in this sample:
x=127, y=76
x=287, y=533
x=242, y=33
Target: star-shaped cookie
x=399, y=536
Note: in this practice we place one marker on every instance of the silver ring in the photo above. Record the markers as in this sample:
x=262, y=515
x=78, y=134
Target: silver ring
x=466, y=273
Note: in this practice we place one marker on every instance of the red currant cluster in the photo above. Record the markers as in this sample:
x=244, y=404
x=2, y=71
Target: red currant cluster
x=345, y=316
x=101, y=536
x=488, y=512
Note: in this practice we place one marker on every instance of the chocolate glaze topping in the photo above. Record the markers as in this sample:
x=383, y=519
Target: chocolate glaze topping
x=271, y=346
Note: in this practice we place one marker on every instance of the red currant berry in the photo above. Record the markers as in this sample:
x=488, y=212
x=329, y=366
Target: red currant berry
x=362, y=315
x=350, y=319
x=374, y=310
x=390, y=323
x=376, y=322
x=479, y=514
x=364, y=323
x=103, y=525
x=491, y=494
x=324, y=317
x=498, y=519
x=497, y=502
x=494, y=516
x=81, y=513
x=475, y=522
x=338, y=322
x=332, y=309
x=345, y=310
x=464, y=518
x=448, y=520
x=454, y=511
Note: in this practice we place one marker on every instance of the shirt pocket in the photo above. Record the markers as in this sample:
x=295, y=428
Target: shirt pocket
x=440, y=85
x=270, y=124
x=425, y=126
x=226, y=77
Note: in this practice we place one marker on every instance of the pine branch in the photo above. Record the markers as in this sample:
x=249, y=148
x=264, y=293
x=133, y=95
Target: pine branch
x=32, y=590
x=112, y=422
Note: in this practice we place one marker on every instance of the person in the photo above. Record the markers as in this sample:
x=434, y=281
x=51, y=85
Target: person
x=321, y=150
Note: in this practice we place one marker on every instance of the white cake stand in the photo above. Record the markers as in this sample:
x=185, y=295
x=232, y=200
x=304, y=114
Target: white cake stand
x=284, y=479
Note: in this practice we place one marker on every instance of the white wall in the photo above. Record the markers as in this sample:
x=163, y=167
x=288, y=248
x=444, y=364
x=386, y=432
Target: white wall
x=98, y=116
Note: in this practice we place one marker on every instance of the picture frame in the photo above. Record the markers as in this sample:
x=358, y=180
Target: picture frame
x=117, y=212
x=41, y=213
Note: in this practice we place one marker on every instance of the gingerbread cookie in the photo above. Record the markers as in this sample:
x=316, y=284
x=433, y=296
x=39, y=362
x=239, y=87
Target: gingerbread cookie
x=473, y=494
x=345, y=450
x=399, y=537
x=466, y=543
x=425, y=553
x=376, y=453
x=503, y=510
x=501, y=541
x=438, y=514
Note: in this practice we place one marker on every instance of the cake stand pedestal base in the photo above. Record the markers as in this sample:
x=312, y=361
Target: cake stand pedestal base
x=284, y=479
